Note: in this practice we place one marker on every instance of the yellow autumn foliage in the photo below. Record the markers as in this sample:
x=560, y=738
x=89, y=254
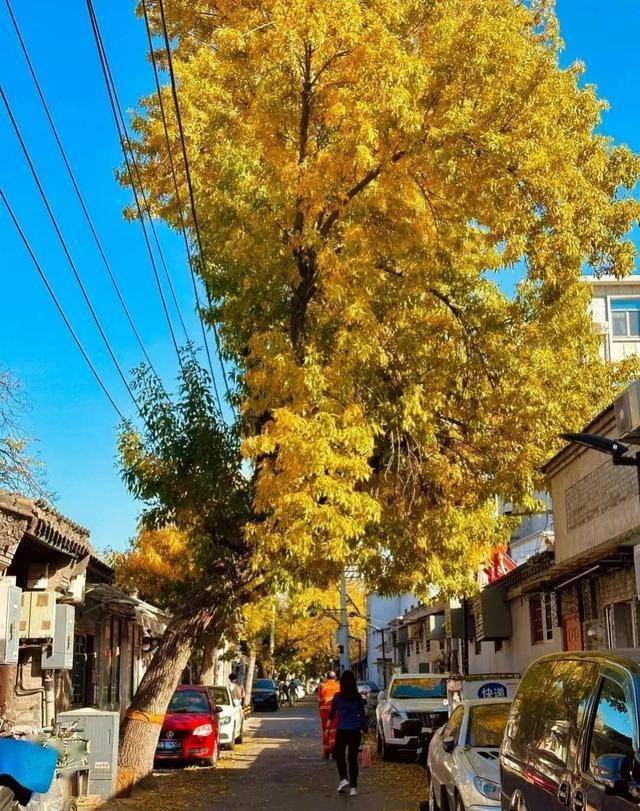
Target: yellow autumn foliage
x=368, y=177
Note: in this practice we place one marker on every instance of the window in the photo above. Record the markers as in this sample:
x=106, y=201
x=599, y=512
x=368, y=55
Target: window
x=486, y=724
x=452, y=727
x=620, y=626
x=613, y=725
x=625, y=317
x=535, y=615
x=548, y=711
x=541, y=613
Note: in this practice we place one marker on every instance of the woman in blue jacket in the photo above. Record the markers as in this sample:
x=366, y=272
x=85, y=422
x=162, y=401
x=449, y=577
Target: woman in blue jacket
x=352, y=722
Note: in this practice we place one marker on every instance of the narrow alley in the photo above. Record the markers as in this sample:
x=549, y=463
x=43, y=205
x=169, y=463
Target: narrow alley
x=278, y=766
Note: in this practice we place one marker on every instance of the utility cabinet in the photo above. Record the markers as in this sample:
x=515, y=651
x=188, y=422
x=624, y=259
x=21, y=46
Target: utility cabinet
x=60, y=654
x=102, y=729
x=37, y=617
x=10, y=606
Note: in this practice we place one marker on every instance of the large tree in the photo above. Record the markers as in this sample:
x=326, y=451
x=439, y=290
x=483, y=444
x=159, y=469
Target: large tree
x=367, y=176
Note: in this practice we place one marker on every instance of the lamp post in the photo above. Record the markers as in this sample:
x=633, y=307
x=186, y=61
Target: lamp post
x=619, y=452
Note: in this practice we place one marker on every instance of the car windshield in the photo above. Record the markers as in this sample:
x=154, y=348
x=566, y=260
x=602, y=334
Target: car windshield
x=486, y=724
x=189, y=701
x=220, y=694
x=368, y=685
x=264, y=684
x=419, y=688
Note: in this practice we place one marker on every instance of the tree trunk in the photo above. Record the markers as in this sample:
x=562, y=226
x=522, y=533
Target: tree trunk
x=248, y=684
x=208, y=672
x=140, y=729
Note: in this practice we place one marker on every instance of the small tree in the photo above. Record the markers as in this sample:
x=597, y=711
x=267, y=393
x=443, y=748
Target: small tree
x=19, y=472
x=185, y=466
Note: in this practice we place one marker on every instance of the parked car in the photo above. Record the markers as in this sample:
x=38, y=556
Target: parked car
x=264, y=695
x=190, y=728
x=571, y=740
x=409, y=712
x=231, y=717
x=369, y=690
x=463, y=768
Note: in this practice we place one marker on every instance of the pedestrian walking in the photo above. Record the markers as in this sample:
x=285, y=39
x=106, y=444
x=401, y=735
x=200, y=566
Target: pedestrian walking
x=326, y=691
x=348, y=705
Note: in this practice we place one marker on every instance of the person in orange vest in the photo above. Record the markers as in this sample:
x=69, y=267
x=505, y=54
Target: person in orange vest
x=326, y=691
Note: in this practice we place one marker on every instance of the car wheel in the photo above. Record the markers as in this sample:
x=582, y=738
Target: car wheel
x=459, y=803
x=378, y=741
x=232, y=742
x=388, y=753
x=213, y=759
x=241, y=733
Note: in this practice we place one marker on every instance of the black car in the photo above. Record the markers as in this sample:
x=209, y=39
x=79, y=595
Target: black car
x=571, y=741
x=264, y=695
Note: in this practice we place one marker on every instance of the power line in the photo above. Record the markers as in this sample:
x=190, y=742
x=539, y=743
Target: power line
x=65, y=247
x=185, y=158
x=183, y=225
x=76, y=187
x=58, y=305
x=125, y=144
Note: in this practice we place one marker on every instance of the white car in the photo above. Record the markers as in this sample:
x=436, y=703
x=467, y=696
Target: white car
x=463, y=765
x=231, y=717
x=410, y=710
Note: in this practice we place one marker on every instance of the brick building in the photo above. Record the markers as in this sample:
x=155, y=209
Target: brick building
x=110, y=634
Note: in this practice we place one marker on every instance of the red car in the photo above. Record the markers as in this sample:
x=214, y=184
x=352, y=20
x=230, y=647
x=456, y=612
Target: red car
x=190, y=728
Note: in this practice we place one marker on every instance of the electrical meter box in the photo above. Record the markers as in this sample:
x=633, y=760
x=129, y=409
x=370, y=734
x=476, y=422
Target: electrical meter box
x=10, y=606
x=59, y=656
x=37, y=617
x=101, y=728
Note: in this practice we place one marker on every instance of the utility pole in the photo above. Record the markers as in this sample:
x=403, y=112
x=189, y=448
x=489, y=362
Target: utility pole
x=345, y=662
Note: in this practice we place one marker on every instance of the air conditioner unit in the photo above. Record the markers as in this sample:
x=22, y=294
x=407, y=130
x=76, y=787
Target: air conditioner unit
x=627, y=411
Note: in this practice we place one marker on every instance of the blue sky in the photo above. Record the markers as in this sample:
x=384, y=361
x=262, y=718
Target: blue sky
x=74, y=424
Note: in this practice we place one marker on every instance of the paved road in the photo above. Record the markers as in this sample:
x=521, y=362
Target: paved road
x=279, y=767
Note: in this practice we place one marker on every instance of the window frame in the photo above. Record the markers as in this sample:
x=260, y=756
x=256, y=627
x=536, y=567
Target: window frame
x=628, y=336
x=629, y=691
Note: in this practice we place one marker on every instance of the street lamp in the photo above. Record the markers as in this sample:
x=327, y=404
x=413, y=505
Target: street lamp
x=612, y=447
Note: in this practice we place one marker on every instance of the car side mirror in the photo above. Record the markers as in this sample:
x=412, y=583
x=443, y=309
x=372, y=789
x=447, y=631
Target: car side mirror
x=449, y=744
x=381, y=696
x=612, y=771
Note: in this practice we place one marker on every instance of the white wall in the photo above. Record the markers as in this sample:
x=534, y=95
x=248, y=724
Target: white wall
x=380, y=611
x=518, y=652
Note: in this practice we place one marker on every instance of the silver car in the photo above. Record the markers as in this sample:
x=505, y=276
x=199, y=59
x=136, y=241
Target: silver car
x=463, y=767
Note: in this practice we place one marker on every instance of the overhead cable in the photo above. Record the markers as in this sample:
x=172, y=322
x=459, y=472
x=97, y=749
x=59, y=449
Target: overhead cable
x=183, y=224
x=130, y=164
x=76, y=188
x=59, y=306
x=65, y=247
x=185, y=158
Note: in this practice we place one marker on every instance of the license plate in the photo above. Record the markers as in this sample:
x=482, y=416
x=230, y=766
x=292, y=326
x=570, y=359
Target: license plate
x=168, y=745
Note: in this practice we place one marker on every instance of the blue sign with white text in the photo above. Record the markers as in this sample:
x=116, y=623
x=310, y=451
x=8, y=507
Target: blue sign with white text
x=492, y=689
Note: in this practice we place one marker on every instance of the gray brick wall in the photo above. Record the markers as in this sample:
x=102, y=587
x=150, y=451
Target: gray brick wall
x=598, y=492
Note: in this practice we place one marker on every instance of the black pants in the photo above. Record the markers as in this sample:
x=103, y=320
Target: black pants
x=348, y=743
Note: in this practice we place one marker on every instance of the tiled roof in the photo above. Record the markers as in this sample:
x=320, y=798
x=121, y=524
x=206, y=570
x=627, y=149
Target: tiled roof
x=47, y=525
